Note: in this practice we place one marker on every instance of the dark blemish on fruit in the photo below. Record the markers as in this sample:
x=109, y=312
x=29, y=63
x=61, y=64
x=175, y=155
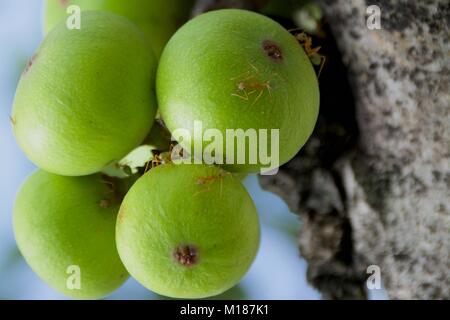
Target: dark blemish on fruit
x=186, y=255
x=29, y=64
x=12, y=120
x=272, y=50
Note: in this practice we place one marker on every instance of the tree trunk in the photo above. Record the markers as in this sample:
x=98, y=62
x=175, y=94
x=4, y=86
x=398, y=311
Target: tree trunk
x=383, y=200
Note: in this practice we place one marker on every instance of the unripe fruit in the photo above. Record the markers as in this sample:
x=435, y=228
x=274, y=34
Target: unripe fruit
x=187, y=231
x=236, y=69
x=86, y=98
x=158, y=19
x=65, y=228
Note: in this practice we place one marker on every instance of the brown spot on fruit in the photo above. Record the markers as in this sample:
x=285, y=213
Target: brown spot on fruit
x=29, y=64
x=12, y=120
x=272, y=50
x=64, y=3
x=186, y=255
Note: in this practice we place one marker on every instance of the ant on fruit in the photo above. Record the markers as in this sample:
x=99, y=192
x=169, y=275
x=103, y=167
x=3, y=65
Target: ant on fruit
x=206, y=180
x=313, y=53
x=250, y=84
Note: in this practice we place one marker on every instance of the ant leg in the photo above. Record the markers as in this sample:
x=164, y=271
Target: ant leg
x=295, y=29
x=245, y=74
x=307, y=43
x=201, y=191
x=269, y=89
x=322, y=63
x=248, y=78
x=259, y=96
x=253, y=67
x=314, y=51
x=239, y=96
x=248, y=74
x=245, y=97
x=146, y=166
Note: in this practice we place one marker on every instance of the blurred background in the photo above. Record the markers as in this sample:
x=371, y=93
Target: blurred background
x=278, y=272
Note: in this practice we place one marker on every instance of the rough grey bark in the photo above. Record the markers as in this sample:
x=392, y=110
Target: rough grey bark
x=386, y=201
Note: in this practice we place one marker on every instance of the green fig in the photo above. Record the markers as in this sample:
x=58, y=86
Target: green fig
x=86, y=99
x=238, y=70
x=187, y=231
x=158, y=19
x=65, y=230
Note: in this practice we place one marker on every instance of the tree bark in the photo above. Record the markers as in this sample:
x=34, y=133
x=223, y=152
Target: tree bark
x=383, y=200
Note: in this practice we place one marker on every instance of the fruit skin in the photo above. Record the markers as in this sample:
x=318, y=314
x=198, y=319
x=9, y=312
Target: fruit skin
x=206, y=60
x=63, y=221
x=187, y=205
x=86, y=98
x=158, y=19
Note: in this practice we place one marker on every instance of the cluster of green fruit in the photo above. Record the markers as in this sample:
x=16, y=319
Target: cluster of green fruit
x=89, y=97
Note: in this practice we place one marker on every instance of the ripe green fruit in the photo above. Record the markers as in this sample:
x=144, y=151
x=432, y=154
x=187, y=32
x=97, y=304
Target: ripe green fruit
x=187, y=231
x=66, y=225
x=234, y=69
x=86, y=99
x=158, y=19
